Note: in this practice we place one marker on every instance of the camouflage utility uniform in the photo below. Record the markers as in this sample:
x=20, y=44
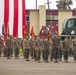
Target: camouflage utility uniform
x=8, y=47
x=32, y=47
x=66, y=49
x=38, y=45
x=46, y=49
x=56, y=43
x=16, y=47
x=51, y=49
x=60, y=50
x=26, y=48
x=74, y=49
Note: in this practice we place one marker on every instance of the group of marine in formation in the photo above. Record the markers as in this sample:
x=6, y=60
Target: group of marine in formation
x=38, y=48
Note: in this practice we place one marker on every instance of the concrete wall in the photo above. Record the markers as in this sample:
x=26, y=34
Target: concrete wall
x=63, y=15
x=34, y=21
x=42, y=16
x=38, y=18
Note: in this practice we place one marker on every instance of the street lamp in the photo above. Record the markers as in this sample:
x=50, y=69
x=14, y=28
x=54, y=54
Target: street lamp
x=36, y=4
x=48, y=4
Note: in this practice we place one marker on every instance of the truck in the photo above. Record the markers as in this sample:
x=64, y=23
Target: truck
x=69, y=28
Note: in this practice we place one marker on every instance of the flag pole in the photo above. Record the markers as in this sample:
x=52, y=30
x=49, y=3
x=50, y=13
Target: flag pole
x=36, y=4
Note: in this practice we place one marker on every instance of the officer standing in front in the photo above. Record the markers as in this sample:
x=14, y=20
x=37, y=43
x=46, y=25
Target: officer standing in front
x=32, y=47
x=56, y=43
x=8, y=47
x=12, y=42
x=46, y=49
x=16, y=47
x=66, y=46
x=60, y=51
x=26, y=43
x=39, y=46
x=51, y=49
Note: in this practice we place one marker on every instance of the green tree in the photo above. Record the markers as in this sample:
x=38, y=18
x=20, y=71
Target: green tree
x=64, y=4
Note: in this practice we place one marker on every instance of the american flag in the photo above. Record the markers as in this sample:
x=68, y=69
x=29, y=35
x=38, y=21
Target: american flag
x=3, y=41
x=12, y=13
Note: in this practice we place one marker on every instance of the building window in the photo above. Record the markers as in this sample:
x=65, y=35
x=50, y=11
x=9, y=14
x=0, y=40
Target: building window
x=54, y=18
x=48, y=18
x=74, y=16
x=51, y=18
x=27, y=18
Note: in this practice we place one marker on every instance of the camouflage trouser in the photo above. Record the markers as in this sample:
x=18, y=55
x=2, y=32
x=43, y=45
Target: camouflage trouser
x=74, y=54
x=60, y=54
x=5, y=52
x=16, y=52
x=0, y=51
x=35, y=55
x=56, y=53
x=66, y=55
x=46, y=54
x=70, y=52
x=43, y=54
x=32, y=53
x=51, y=54
x=26, y=54
x=38, y=54
x=11, y=52
x=8, y=52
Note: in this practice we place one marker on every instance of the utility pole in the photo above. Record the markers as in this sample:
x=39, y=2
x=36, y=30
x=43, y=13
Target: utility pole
x=48, y=4
x=36, y=4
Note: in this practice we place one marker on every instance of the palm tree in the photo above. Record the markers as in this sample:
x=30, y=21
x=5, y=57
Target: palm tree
x=64, y=4
x=59, y=4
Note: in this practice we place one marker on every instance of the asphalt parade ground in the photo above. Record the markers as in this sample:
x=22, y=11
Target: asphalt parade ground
x=21, y=67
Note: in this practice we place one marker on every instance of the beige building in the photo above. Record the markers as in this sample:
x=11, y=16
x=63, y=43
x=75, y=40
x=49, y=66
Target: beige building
x=63, y=15
x=42, y=17
x=38, y=18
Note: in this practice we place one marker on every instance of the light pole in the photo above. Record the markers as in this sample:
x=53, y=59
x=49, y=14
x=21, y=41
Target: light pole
x=48, y=4
x=36, y=4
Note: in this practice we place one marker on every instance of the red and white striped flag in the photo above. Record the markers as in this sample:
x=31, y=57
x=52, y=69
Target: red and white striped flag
x=13, y=12
x=3, y=41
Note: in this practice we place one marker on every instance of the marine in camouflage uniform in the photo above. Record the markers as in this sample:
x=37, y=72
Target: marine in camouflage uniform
x=46, y=49
x=35, y=53
x=66, y=45
x=60, y=50
x=74, y=49
x=51, y=49
x=43, y=54
x=26, y=43
x=23, y=46
x=0, y=46
x=5, y=51
x=32, y=47
x=16, y=47
x=71, y=47
x=56, y=43
x=38, y=45
x=8, y=47
x=12, y=43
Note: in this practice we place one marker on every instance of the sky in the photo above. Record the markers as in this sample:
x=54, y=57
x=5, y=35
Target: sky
x=30, y=4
